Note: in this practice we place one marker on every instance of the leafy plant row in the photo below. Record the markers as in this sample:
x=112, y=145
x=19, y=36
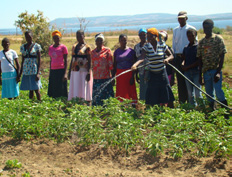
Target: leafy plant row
x=156, y=129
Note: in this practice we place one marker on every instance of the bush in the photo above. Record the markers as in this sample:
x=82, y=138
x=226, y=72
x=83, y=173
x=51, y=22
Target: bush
x=39, y=26
x=217, y=30
x=228, y=28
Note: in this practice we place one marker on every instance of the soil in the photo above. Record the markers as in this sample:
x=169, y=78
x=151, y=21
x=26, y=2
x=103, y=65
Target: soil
x=48, y=158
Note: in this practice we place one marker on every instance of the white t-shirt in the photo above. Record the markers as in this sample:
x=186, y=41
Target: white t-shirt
x=180, y=39
x=5, y=65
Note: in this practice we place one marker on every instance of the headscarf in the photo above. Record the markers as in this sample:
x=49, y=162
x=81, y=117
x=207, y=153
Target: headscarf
x=153, y=31
x=164, y=34
x=142, y=30
x=56, y=33
x=100, y=35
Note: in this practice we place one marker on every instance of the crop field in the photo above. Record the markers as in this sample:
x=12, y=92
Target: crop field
x=57, y=137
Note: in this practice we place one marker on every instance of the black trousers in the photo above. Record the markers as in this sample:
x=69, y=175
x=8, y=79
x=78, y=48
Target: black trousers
x=182, y=89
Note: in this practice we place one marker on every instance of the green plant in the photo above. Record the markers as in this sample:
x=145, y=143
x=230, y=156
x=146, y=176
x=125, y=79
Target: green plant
x=26, y=174
x=10, y=164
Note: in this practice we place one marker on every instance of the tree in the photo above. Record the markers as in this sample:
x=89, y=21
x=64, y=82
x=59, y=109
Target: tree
x=83, y=23
x=39, y=26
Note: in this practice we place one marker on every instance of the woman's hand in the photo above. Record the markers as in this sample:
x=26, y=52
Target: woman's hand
x=134, y=67
x=87, y=77
x=37, y=77
x=18, y=79
x=65, y=78
x=217, y=77
x=166, y=61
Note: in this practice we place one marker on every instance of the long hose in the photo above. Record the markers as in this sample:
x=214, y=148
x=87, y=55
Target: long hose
x=191, y=83
x=198, y=87
x=140, y=66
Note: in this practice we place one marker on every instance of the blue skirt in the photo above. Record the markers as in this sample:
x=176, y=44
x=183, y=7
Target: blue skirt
x=29, y=83
x=10, y=88
x=159, y=90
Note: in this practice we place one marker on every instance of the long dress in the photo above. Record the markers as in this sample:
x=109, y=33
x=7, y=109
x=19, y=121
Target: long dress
x=102, y=63
x=124, y=60
x=79, y=87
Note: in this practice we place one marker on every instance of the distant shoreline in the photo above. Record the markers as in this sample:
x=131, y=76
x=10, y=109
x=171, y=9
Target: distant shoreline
x=159, y=26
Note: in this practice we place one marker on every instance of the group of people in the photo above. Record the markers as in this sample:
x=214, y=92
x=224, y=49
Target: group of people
x=90, y=70
x=198, y=61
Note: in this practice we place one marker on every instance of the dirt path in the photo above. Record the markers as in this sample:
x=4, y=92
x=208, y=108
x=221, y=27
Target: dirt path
x=47, y=158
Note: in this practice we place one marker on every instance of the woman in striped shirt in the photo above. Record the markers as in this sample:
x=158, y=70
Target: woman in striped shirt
x=159, y=90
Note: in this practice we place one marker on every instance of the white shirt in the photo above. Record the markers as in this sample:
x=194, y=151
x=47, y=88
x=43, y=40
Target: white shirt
x=5, y=65
x=180, y=39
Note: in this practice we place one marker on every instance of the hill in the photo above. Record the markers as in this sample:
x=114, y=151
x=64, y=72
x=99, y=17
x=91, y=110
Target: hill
x=129, y=20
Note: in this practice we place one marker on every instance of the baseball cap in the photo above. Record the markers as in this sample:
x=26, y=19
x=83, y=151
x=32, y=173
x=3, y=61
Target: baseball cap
x=182, y=14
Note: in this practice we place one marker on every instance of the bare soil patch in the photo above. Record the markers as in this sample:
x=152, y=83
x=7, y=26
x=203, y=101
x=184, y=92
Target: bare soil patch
x=48, y=158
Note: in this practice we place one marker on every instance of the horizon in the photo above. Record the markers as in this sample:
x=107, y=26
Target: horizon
x=54, y=10
x=189, y=20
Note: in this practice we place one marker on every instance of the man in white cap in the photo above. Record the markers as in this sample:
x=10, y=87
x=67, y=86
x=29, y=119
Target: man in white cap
x=179, y=41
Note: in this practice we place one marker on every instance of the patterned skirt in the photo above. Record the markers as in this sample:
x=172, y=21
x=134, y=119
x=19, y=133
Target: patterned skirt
x=98, y=94
x=56, y=86
x=10, y=88
x=29, y=83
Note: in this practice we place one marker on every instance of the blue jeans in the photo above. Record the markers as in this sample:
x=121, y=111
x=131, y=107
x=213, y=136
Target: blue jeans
x=193, y=92
x=211, y=87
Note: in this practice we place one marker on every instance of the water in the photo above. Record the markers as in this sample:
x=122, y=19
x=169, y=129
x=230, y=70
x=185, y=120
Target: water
x=103, y=86
x=163, y=26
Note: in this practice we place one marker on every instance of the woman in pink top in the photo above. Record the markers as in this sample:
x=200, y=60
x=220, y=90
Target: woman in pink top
x=57, y=86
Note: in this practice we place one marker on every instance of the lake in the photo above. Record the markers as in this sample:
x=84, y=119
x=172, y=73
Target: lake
x=164, y=26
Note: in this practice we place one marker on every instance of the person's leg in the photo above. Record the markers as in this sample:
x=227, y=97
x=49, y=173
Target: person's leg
x=182, y=89
x=220, y=93
x=208, y=80
x=189, y=86
x=170, y=104
x=198, y=94
x=38, y=95
x=31, y=94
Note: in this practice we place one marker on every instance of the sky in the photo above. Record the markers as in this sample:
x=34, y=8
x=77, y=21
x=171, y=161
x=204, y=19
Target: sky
x=52, y=9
